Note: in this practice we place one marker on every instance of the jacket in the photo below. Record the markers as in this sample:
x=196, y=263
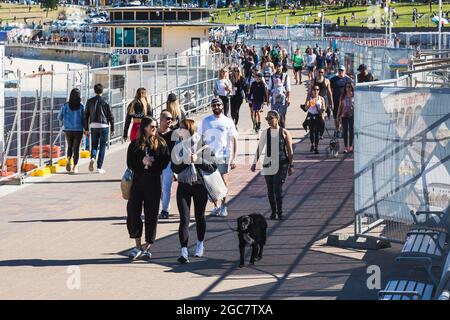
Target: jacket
x=73, y=120
x=98, y=111
x=134, y=161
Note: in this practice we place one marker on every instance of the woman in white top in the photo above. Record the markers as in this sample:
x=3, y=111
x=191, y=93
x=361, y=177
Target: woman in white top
x=223, y=89
x=315, y=106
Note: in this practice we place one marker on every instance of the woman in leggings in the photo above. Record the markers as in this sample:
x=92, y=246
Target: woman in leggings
x=315, y=106
x=187, y=152
x=277, y=163
x=345, y=113
x=72, y=117
x=147, y=156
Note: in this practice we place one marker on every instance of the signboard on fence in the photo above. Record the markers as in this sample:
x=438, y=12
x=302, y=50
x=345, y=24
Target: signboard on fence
x=2, y=96
x=402, y=157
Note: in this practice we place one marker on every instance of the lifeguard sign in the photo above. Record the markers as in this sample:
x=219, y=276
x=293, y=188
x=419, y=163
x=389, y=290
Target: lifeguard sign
x=132, y=51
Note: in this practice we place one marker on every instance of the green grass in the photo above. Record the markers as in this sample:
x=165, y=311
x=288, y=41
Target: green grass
x=331, y=15
x=20, y=11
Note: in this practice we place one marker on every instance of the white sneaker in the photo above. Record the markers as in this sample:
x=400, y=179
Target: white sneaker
x=223, y=211
x=200, y=249
x=184, y=256
x=101, y=171
x=91, y=165
x=215, y=212
x=146, y=255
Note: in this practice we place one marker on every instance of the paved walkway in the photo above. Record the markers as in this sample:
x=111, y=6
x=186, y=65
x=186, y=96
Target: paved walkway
x=52, y=224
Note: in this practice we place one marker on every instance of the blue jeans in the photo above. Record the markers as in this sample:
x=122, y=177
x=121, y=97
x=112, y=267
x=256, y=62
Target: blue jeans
x=99, y=138
x=166, y=182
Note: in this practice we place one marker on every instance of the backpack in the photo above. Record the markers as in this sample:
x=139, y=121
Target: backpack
x=279, y=99
x=283, y=79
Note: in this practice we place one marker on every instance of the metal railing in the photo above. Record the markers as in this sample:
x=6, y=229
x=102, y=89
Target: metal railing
x=80, y=46
x=31, y=109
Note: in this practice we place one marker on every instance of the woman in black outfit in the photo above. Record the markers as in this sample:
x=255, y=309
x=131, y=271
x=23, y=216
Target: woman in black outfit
x=147, y=157
x=277, y=163
x=190, y=186
x=240, y=87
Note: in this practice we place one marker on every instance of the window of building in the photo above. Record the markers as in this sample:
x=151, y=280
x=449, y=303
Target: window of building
x=111, y=16
x=142, y=40
x=156, y=37
x=142, y=15
x=118, y=37
x=128, y=15
x=183, y=16
x=113, y=33
x=196, y=15
x=128, y=37
x=205, y=15
x=156, y=16
x=170, y=16
x=118, y=16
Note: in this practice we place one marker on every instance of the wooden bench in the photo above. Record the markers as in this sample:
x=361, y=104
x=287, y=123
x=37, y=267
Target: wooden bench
x=439, y=220
x=414, y=290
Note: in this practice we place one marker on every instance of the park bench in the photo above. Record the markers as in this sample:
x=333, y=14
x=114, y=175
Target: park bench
x=415, y=290
x=427, y=245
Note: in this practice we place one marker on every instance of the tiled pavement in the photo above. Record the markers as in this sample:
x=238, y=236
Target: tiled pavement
x=63, y=221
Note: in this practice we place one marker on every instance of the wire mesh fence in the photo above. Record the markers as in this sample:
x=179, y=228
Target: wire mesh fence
x=33, y=134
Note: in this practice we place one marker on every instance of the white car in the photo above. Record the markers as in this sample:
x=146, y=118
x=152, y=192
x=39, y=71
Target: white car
x=134, y=3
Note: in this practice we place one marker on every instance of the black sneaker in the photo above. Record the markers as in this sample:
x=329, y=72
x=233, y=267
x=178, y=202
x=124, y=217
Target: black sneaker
x=164, y=215
x=273, y=216
x=311, y=149
x=316, y=151
x=280, y=216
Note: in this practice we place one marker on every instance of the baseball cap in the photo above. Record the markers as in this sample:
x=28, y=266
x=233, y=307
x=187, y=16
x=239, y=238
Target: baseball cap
x=216, y=101
x=259, y=74
x=172, y=97
x=341, y=67
x=362, y=67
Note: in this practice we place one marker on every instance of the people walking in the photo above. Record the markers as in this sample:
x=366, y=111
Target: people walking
x=310, y=63
x=219, y=132
x=190, y=187
x=297, y=63
x=136, y=111
x=278, y=162
x=364, y=75
x=165, y=132
x=72, y=117
x=315, y=106
x=239, y=89
x=325, y=92
x=223, y=89
x=338, y=83
x=345, y=114
x=258, y=95
x=176, y=110
x=98, y=118
x=279, y=100
x=147, y=156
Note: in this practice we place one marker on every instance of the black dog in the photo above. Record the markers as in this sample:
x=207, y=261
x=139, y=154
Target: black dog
x=252, y=230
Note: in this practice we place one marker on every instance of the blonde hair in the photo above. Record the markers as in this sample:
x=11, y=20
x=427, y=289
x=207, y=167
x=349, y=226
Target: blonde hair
x=223, y=71
x=144, y=101
x=190, y=125
x=174, y=108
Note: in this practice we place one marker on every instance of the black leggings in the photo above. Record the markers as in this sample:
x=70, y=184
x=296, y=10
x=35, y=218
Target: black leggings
x=315, y=127
x=236, y=103
x=226, y=105
x=347, y=125
x=73, y=144
x=185, y=193
x=275, y=188
x=148, y=193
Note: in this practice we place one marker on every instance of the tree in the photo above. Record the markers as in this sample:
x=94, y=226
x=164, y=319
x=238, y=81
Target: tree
x=49, y=5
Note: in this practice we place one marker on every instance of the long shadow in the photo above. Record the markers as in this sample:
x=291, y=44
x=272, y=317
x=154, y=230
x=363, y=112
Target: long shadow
x=73, y=220
x=39, y=263
x=76, y=181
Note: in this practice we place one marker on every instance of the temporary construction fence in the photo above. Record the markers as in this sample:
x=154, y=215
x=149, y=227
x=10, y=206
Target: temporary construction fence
x=33, y=132
x=402, y=156
x=383, y=62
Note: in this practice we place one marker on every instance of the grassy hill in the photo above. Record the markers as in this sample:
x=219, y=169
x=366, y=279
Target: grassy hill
x=20, y=11
x=332, y=13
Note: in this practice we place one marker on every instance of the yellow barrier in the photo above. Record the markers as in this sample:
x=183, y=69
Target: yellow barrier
x=41, y=172
x=54, y=168
x=85, y=154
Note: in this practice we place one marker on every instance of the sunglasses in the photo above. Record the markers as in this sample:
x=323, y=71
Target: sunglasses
x=321, y=72
x=153, y=127
x=169, y=119
x=316, y=89
x=270, y=118
x=216, y=105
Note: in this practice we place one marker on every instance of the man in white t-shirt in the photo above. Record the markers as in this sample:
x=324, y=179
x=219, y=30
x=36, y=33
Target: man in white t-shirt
x=219, y=132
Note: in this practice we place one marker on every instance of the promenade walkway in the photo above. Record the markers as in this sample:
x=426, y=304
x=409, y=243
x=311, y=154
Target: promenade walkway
x=51, y=224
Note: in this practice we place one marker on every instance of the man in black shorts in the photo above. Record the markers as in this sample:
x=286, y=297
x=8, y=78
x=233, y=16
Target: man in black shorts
x=338, y=83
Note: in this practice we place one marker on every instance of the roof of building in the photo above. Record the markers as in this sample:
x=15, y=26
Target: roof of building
x=158, y=23
x=138, y=8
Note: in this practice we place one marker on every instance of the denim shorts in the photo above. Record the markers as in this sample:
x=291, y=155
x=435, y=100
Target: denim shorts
x=224, y=166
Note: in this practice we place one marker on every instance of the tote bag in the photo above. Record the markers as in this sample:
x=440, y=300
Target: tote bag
x=214, y=185
x=125, y=184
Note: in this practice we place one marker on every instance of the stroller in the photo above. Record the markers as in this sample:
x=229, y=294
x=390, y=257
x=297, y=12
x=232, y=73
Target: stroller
x=333, y=148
